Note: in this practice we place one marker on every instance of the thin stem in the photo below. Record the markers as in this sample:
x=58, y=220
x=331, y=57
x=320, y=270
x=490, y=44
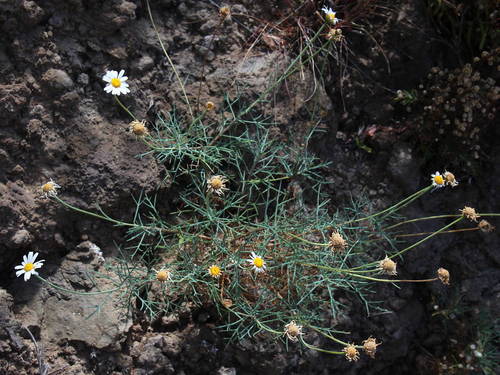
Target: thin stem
x=329, y=336
x=169, y=60
x=414, y=245
x=393, y=207
x=255, y=181
x=107, y=218
x=307, y=241
x=426, y=238
x=446, y=231
x=285, y=75
x=319, y=349
x=420, y=219
x=77, y=292
x=125, y=108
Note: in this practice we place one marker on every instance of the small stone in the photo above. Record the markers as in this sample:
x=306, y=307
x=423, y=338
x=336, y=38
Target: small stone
x=21, y=238
x=144, y=63
x=57, y=79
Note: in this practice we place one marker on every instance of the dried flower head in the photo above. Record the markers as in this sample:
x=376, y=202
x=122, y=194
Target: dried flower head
x=293, y=331
x=337, y=242
x=210, y=106
x=28, y=266
x=388, y=266
x=225, y=13
x=449, y=179
x=138, y=128
x=214, y=271
x=351, y=353
x=217, y=184
x=163, y=275
x=227, y=303
x=444, y=276
x=330, y=15
x=370, y=346
x=437, y=180
x=470, y=213
x=334, y=35
x=49, y=189
x=116, y=82
x=258, y=262
x=485, y=226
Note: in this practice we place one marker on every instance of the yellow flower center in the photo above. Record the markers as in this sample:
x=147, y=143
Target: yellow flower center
x=28, y=267
x=439, y=180
x=49, y=186
x=216, y=183
x=258, y=262
x=163, y=275
x=330, y=17
x=115, y=82
x=214, y=271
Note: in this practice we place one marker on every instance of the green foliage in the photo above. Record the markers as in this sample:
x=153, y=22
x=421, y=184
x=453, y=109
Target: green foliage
x=471, y=25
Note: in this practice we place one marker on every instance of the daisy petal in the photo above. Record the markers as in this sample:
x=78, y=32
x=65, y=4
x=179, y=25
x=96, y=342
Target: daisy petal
x=18, y=267
x=19, y=273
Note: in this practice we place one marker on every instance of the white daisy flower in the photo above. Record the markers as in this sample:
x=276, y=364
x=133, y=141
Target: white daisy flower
x=258, y=263
x=116, y=82
x=28, y=266
x=330, y=15
x=49, y=189
x=438, y=180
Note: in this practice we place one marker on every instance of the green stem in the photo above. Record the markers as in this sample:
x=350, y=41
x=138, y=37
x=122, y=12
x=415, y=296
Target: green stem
x=393, y=207
x=329, y=336
x=116, y=222
x=255, y=181
x=420, y=219
x=307, y=241
x=76, y=292
x=125, y=108
x=289, y=70
x=169, y=60
x=319, y=349
x=426, y=238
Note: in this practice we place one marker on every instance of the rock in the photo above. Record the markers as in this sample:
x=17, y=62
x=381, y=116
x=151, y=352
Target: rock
x=21, y=238
x=95, y=320
x=57, y=80
x=13, y=99
x=404, y=168
x=33, y=13
x=143, y=63
x=226, y=371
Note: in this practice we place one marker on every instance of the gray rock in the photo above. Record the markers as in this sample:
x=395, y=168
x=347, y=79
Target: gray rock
x=21, y=238
x=57, y=80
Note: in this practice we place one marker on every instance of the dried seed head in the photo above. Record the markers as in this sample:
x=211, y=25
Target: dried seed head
x=227, y=303
x=163, y=275
x=388, y=266
x=217, y=184
x=225, y=13
x=351, y=353
x=450, y=179
x=485, y=226
x=337, y=242
x=444, y=276
x=138, y=128
x=293, y=331
x=470, y=213
x=210, y=106
x=370, y=346
x=334, y=35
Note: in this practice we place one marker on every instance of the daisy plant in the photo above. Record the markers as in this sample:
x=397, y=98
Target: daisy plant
x=265, y=248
